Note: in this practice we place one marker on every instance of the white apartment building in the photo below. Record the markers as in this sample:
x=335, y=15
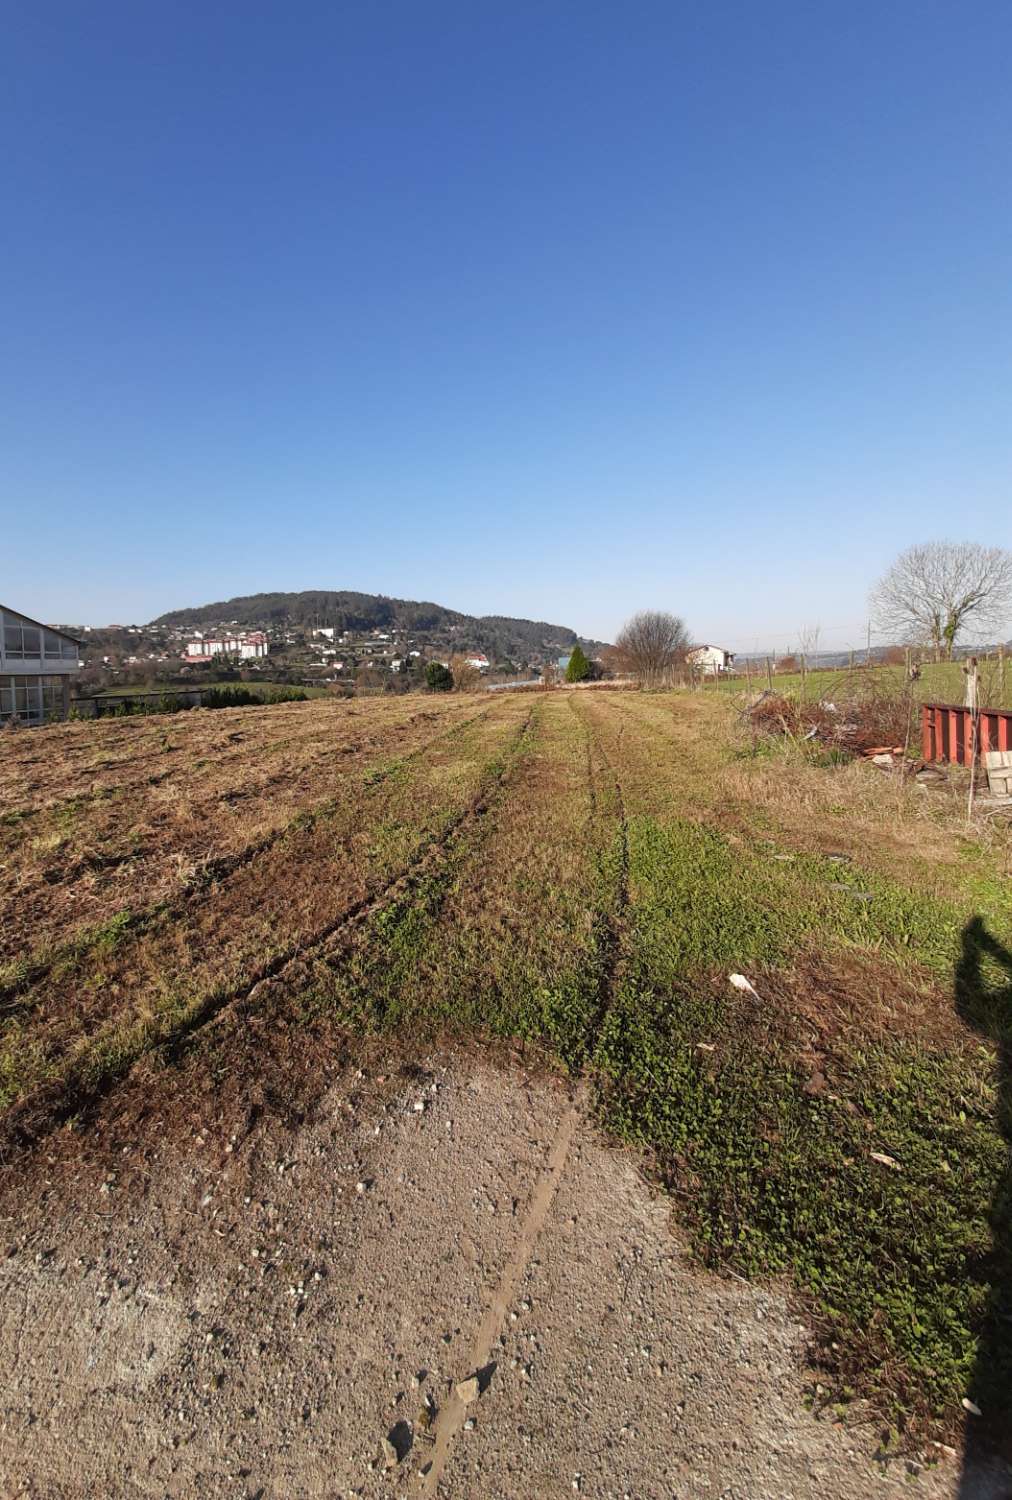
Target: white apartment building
x=246, y=645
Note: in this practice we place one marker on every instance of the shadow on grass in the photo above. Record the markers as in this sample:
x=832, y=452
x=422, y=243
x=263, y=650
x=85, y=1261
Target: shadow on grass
x=983, y=992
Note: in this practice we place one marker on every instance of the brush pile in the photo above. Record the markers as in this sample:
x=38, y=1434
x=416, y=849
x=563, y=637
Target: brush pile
x=863, y=715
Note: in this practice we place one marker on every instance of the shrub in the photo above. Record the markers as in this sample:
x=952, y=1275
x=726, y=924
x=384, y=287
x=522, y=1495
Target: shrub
x=242, y=697
x=578, y=666
x=438, y=679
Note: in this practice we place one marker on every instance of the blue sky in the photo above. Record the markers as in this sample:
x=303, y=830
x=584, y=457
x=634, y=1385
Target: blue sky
x=554, y=309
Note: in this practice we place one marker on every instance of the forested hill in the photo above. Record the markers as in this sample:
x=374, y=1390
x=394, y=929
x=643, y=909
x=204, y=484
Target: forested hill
x=350, y=611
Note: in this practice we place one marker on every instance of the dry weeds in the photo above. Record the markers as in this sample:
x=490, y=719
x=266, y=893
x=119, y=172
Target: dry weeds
x=173, y=799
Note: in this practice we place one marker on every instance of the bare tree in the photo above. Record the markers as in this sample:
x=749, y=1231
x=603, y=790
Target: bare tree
x=466, y=676
x=933, y=591
x=651, y=645
x=808, y=642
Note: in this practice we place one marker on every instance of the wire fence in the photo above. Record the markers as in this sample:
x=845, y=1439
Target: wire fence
x=931, y=681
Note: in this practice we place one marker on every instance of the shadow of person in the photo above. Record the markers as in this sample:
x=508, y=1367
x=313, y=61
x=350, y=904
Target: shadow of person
x=983, y=992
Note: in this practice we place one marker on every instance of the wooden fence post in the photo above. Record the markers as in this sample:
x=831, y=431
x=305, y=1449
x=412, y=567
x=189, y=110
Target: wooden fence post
x=970, y=698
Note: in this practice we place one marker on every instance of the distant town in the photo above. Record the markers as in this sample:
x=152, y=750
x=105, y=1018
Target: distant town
x=120, y=655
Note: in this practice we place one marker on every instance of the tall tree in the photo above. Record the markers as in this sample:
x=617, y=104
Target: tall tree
x=650, y=646
x=935, y=590
x=578, y=667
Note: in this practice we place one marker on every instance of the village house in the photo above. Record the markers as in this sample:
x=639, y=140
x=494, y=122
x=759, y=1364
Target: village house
x=37, y=666
x=477, y=660
x=712, y=660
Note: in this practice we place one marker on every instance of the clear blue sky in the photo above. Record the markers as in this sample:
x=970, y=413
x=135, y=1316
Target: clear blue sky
x=555, y=309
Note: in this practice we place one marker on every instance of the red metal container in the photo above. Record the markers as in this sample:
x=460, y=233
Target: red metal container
x=947, y=731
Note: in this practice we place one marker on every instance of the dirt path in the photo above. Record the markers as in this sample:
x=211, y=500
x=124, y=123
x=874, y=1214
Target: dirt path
x=253, y=1309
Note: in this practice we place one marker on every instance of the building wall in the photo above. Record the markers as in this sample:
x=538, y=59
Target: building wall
x=31, y=698
x=36, y=666
x=710, y=659
x=26, y=648
x=228, y=646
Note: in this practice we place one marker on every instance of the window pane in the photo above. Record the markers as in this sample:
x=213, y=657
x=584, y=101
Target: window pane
x=52, y=698
x=12, y=641
x=51, y=643
x=33, y=640
x=69, y=650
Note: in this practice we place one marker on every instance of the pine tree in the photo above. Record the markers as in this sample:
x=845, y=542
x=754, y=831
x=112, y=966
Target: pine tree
x=578, y=667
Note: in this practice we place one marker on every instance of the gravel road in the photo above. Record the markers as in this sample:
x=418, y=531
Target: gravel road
x=276, y=1311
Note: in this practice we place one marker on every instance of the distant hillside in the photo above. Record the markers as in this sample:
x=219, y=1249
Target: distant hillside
x=498, y=634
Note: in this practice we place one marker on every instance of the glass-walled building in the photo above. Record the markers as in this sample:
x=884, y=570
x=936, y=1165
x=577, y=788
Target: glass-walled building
x=37, y=666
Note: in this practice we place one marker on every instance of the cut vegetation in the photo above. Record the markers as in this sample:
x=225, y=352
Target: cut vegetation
x=581, y=873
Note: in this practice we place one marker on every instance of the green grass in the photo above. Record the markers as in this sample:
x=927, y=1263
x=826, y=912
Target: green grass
x=699, y=901
x=771, y=1179
x=260, y=688
x=507, y=936
x=774, y=1181
x=940, y=682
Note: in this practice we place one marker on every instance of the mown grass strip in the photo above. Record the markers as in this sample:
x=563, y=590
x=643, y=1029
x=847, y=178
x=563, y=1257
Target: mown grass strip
x=504, y=938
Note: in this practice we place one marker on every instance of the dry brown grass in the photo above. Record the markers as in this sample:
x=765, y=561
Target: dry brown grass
x=98, y=817
x=141, y=979
x=838, y=1000
x=695, y=746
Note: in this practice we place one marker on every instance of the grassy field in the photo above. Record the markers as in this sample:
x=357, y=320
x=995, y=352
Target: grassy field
x=939, y=682
x=582, y=872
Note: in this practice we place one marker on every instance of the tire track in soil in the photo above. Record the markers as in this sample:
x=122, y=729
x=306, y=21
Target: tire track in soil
x=52, y=1106
x=613, y=923
x=451, y=1415
x=211, y=871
